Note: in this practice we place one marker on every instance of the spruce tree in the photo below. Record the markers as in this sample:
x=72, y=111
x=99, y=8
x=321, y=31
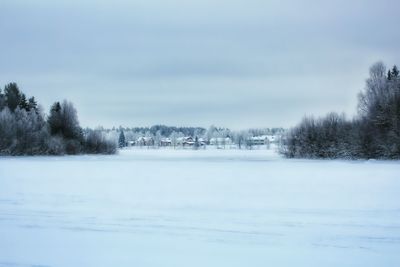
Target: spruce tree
x=23, y=103
x=55, y=120
x=32, y=104
x=2, y=100
x=121, y=139
x=395, y=72
x=13, y=96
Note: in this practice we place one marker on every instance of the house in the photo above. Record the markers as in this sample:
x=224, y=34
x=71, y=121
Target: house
x=189, y=141
x=185, y=141
x=145, y=141
x=258, y=140
x=202, y=141
x=263, y=140
x=165, y=142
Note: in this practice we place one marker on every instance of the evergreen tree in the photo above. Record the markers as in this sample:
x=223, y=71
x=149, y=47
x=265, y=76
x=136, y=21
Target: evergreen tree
x=389, y=75
x=54, y=120
x=2, y=100
x=121, y=139
x=32, y=104
x=395, y=72
x=13, y=96
x=23, y=103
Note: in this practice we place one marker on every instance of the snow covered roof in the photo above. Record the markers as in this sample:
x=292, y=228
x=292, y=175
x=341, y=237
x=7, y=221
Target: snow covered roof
x=264, y=137
x=145, y=138
x=185, y=138
x=219, y=139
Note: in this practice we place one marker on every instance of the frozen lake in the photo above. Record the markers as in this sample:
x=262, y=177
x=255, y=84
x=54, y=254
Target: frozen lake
x=198, y=208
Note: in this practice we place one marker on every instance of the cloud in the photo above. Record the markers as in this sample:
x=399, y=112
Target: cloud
x=143, y=62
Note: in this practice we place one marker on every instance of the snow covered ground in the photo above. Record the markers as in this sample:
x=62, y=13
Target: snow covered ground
x=198, y=208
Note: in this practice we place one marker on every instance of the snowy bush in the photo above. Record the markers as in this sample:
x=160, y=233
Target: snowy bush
x=96, y=142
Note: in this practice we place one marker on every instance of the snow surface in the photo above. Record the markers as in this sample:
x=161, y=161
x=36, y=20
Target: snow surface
x=198, y=208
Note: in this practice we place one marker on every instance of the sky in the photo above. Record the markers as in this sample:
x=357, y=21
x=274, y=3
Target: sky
x=231, y=63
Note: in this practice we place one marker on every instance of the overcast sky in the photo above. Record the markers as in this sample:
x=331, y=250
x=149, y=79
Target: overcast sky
x=238, y=64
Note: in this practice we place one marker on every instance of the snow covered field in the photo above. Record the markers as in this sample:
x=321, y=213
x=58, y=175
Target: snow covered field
x=198, y=208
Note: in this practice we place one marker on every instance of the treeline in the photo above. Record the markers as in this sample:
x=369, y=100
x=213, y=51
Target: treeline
x=25, y=130
x=163, y=130
x=123, y=136
x=374, y=133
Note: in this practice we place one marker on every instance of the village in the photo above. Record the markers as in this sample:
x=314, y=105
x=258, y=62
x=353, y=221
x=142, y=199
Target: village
x=262, y=141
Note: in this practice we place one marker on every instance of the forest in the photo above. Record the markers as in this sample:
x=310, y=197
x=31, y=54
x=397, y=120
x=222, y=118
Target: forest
x=373, y=133
x=25, y=130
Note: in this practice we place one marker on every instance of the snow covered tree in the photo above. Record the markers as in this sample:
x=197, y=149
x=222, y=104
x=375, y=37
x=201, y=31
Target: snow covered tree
x=395, y=72
x=121, y=139
x=149, y=139
x=12, y=95
x=376, y=87
x=375, y=133
x=7, y=131
x=196, y=143
x=239, y=138
x=380, y=116
x=55, y=119
x=96, y=142
x=71, y=127
x=24, y=130
x=23, y=103
x=2, y=100
x=174, y=138
x=157, y=138
x=63, y=120
x=32, y=104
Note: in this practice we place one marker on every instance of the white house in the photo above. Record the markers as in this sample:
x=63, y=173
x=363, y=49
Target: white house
x=145, y=141
x=263, y=140
x=165, y=142
x=185, y=141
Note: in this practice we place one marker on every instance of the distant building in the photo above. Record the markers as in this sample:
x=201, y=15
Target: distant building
x=165, y=142
x=185, y=141
x=145, y=141
x=188, y=141
x=202, y=142
x=263, y=140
